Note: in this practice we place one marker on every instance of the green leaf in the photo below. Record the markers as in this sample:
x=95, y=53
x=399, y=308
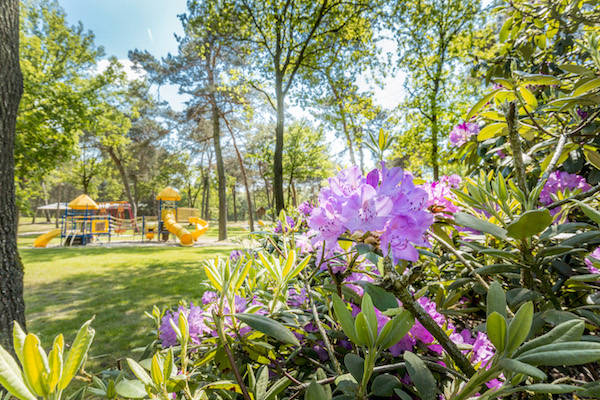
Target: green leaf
x=593, y=157
x=368, y=309
x=77, y=353
x=384, y=385
x=131, y=389
x=529, y=223
x=551, y=388
x=539, y=79
x=564, y=353
x=262, y=382
x=395, y=329
x=315, y=392
x=139, y=372
x=18, y=341
x=36, y=365
x=382, y=299
x=470, y=221
x=156, y=371
x=528, y=96
x=344, y=318
x=591, y=213
x=569, y=331
x=496, y=330
x=269, y=327
x=479, y=105
x=575, y=69
x=11, y=377
x=586, y=87
x=278, y=387
x=517, y=367
x=496, y=299
x=519, y=327
x=491, y=130
x=355, y=366
x=363, y=330
x=421, y=376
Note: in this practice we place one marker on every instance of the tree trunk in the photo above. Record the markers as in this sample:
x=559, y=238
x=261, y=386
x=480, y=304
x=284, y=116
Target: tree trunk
x=12, y=305
x=234, y=205
x=340, y=104
x=278, y=155
x=45, y=193
x=222, y=179
x=113, y=155
x=244, y=177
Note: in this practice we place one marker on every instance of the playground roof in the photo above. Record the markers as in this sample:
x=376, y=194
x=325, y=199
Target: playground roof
x=168, y=194
x=83, y=202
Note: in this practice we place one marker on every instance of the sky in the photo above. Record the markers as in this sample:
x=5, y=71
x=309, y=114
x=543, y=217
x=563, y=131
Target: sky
x=123, y=25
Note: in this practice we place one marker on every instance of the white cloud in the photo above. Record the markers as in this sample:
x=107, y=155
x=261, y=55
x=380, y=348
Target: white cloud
x=127, y=67
x=150, y=34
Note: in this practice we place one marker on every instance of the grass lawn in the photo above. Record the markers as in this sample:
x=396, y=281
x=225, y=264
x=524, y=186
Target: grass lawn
x=66, y=286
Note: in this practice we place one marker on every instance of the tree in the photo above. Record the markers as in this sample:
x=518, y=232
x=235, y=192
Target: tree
x=60, y=89
x=12, y=305
x=433, y=36
x=284, y=34
x=305, y=157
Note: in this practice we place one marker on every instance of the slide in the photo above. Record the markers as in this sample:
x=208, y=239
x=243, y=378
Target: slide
x=185, y=237
x=43, y=240
x=201, y=227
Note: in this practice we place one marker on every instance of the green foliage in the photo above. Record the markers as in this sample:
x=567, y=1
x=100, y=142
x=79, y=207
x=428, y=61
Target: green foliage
x=42, y=376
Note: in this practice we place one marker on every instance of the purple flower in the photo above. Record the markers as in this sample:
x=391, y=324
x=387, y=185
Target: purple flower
x=582, y=114
x=209, y=297
x=560, y=181
x=305, y=208
x=440, y=196
x=402, y=232
x=326, y=221
x=236, y=255
x=196, y=322
x=366, y=211
x=590, y=263
x=289, y=221
x=297, y=299
x=462, y=132
x=385, y=201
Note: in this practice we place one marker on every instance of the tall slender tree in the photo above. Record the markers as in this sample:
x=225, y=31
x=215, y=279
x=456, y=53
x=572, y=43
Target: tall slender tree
x=431, y=36
x=285, y=34
x=12, y=305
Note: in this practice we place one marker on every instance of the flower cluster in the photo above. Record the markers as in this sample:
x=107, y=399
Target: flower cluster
x=385, y=201
x=200, y=319
x=461, y=133
x=290, y=223
x=560, y=181
x=440, y=197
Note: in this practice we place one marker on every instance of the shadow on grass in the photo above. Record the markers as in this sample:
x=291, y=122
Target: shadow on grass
x=117, y=297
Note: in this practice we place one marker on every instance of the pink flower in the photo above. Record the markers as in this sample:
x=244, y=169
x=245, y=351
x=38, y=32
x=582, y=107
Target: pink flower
x=462, y=132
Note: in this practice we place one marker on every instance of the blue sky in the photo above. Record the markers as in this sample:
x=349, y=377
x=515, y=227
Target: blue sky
x=123, y=25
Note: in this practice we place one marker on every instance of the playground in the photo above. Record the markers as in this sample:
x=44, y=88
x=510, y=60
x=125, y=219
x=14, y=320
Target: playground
x=86, y=222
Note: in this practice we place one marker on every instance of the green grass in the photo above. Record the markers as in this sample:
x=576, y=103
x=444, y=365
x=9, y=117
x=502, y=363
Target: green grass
x=66, y=286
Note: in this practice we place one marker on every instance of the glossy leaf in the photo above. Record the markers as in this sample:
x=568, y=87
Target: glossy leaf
x=269, y=327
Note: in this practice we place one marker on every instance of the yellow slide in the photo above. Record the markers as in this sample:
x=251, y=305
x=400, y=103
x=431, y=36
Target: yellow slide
x=42, y=241
x=201, y=227
x=185, y=237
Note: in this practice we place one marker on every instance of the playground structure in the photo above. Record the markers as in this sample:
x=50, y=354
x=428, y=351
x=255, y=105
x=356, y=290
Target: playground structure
x=84, y=221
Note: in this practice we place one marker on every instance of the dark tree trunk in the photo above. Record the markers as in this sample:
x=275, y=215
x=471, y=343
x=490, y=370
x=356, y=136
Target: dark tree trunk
x=117, y=160
x=221, y=178
x=12, y=305
x=234, y=203
x=278, y=155
x=244, y=177
x=340, y=103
